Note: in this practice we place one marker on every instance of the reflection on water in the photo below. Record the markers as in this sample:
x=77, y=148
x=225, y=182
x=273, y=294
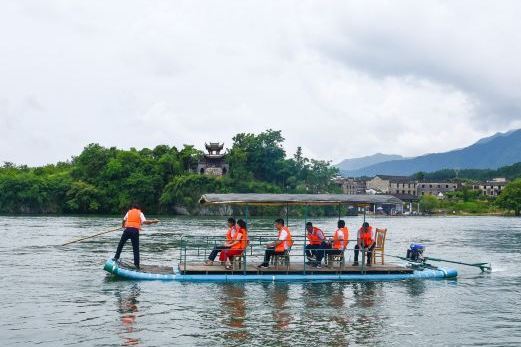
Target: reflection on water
x=369, y=323
x=233, y=304
x=281, y=313
x=415, y=287
x=340, y=316
x=128, y=308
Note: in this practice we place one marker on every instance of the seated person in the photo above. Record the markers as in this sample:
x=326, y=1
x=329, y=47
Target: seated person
x=230, y=234
x=365, y=240
x=237, y=245
x=283, y=243
x=316, y=244
x=339, y=240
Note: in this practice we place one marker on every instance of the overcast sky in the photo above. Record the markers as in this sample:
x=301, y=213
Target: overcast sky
x=341, y=79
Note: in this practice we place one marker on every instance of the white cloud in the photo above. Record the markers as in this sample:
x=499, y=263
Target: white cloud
x=342, y=80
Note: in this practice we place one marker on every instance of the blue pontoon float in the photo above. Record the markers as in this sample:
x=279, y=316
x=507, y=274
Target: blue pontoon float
x=193, y=250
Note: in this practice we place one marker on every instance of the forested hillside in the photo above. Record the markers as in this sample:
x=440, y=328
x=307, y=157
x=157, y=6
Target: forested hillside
x=510, y=172
x=107, y=180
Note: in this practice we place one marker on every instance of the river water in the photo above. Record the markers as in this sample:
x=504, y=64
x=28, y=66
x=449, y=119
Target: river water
x=53, y=296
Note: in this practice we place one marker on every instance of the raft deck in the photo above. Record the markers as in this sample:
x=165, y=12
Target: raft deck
x=251, y=269
x=294, y=269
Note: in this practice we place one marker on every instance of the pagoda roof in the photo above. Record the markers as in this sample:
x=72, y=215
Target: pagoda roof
x=214, y=146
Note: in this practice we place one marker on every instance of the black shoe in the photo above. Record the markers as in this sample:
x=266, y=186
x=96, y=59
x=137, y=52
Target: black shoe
x=355, y=263
x=262, y=265
x=368, y=264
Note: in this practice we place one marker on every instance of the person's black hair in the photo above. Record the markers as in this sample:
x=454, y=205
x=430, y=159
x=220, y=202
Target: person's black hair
x=341, y=223
x=135, y=205
x=279, y=221
x=231, y=220
x=365, y=225
x=242, y=224
x=309, y=224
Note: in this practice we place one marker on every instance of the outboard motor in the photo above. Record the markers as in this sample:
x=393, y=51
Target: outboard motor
x=415, y=252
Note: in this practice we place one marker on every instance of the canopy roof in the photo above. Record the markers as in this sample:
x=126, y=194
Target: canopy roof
x=296, y=199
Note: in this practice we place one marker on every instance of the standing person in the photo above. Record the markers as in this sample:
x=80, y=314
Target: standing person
x=364, y=240
x=132, y=223
x=339, y=239
x=237, y=245
x=316, y=244
x=230, y=235
x=283, y=243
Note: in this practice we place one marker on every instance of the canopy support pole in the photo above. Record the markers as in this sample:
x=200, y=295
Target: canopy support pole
x=304, y=245
x=245, y=250
x=287, y=215
x=245, y=212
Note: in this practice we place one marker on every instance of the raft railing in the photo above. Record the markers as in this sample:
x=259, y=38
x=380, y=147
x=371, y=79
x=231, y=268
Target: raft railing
x=196, y=249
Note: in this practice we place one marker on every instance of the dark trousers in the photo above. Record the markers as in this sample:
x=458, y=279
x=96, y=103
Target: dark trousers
x=317, y=251
x=334, y=251
x=369, y=252
x=215, y=251
x=270, y=252
x=310, y=250
x=133, y=235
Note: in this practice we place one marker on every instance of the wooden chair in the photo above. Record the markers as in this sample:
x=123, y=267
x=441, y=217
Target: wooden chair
x=379, y=249
x=281, y=259
x=335, y=258
x=238, y=261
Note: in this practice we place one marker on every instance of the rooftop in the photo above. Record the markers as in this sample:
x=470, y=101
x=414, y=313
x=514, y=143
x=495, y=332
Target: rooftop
x=214, y=150
x=406, y=197
x=405, y=179
x=296, y=199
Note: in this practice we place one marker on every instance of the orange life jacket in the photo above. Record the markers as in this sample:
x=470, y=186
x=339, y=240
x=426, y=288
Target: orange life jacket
x=340, y=243
x=230, y=234
x=313, y=238
x=366, y=237
x=242, y=236
x=281, y=247
x=133, y=219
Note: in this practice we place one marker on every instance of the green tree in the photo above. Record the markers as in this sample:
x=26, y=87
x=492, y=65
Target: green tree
x=428, y=203
x=82, y=197
x=419, y=176
x=187, y=189
x=189, y=156
x=510, y=197
x=260, y=156
x=88, y=165
x=107, y=180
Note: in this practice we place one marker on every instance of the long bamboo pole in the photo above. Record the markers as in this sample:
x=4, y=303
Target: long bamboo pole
x=482, y=266
x=91, y=236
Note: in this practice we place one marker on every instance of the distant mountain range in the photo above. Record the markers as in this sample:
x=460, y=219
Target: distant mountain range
x=359, y=163
x=488, y=153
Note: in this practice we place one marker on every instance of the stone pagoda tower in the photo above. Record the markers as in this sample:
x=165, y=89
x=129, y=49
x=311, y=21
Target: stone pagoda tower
x=213, y=162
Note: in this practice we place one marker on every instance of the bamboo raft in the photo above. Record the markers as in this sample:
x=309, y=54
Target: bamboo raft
x=193, y=250
x=295, y=272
